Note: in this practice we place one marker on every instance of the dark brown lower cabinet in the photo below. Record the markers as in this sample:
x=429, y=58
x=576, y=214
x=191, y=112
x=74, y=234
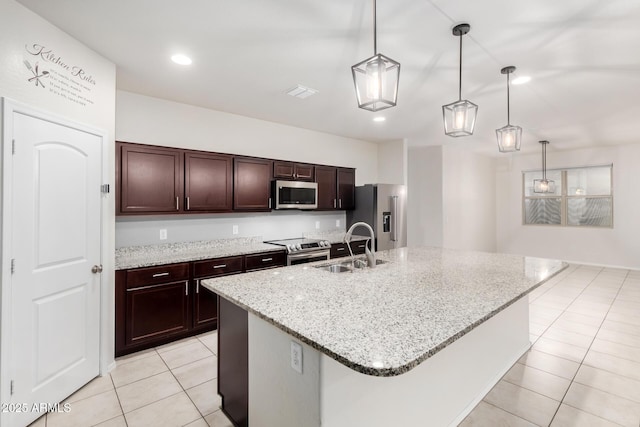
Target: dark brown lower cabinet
x=233, y=362
x=340, y=249
x=160, y=304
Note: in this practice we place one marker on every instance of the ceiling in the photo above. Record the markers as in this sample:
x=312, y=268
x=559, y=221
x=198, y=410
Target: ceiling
x=582, y=55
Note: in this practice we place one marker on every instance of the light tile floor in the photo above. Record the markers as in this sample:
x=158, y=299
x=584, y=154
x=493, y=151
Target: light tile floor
x=170, y=385
x=583, y=368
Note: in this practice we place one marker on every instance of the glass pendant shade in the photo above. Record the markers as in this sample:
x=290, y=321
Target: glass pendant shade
x=509, y=138
x=544, y=186
x=459, y=118
x=376, y=82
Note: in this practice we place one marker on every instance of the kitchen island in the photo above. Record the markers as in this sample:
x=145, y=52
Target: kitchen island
x=418, y=340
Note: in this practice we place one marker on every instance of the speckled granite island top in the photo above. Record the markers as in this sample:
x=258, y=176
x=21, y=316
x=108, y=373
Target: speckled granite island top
x=169, y=253
x=387, y=320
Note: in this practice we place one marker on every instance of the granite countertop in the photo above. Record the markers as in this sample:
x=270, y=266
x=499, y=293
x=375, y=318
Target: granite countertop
x=169, y=253
x=385, y=321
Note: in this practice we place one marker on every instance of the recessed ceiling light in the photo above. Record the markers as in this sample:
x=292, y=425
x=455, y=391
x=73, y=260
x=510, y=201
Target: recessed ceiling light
x=301, y=92
x=521, y=80
x=379, y=119
x=181, y=59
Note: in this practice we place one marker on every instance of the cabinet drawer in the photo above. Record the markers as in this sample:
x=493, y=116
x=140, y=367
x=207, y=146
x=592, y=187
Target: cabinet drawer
x=217, y=267
x=358, y=246
x=156, y=275
x=265, y=260
x=339, y=250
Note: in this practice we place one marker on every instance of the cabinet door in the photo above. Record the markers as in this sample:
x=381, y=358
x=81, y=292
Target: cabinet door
x=326, y=179
x=346, y=188
x=208, y=182
x=284, y=170
x=205, y=307
x=304, y=172
x=157, y=311
x=150, y=179
x=252, y=184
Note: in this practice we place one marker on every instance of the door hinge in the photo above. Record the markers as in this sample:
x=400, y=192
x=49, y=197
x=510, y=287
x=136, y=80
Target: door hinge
x=13, y=265
x=11, y=387
x=104, y=188
x=13, y=146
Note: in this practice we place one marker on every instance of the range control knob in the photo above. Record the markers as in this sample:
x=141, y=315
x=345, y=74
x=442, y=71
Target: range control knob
x=326, y=243
x=291, y=248
x=298, y=246
x=321, y=243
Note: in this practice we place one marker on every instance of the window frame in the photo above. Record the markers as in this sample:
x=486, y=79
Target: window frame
x=564, y=198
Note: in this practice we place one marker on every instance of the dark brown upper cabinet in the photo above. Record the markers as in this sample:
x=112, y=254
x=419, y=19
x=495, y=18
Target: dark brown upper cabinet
x=290, y=170
x=208, y=182
x=336, y=187
x=149, y=179
x=252, y=184
x=346, y=179
x=327, y=189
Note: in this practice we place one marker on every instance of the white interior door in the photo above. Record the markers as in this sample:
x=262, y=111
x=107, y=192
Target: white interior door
x=55, y=242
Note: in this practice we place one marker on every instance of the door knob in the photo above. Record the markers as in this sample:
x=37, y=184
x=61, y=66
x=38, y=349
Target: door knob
x=96, y=269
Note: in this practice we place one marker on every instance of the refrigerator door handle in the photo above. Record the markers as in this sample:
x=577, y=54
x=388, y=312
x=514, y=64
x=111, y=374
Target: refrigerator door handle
x=394, y=219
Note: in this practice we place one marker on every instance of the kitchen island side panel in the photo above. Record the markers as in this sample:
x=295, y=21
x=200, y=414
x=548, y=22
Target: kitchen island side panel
x=441, y=391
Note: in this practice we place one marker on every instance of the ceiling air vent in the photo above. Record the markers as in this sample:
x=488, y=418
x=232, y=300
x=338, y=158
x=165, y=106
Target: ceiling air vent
x=301, y=92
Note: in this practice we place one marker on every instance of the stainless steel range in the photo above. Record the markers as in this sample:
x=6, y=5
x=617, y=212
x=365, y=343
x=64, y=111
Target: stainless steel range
x=300, y=251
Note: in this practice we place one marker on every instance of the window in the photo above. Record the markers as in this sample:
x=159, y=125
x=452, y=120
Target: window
x=583, y=197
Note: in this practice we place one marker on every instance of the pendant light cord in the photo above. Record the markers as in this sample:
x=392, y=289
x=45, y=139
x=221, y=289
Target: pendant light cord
x=508, y=108
x=544, y=161
x=375, y=30
x=460, y=72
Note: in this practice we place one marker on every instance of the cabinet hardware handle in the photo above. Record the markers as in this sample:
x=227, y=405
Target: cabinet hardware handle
x=160, y=274
x=197, y=286
x=220, y=266
x=269, y=202
x=334, y=203
x=186, y=288
x=267, y=259
x=340, y=202
x=188, y=204
x=177, y=203
x=339, y=249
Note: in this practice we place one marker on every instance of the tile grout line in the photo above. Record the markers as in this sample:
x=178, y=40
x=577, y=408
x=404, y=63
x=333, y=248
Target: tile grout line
x=182, y=387
x=115, y=390
x=589, y=348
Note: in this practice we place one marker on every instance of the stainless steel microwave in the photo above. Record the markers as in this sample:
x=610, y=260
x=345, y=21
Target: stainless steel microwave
x=296, y=195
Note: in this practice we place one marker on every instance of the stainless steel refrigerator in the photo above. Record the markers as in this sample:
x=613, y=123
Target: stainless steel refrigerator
x=384, y=208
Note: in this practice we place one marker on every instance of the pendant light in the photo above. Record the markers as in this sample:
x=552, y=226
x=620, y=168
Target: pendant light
x=376, y=78
x=509, y=136
x=460, y=116
x=544, y=185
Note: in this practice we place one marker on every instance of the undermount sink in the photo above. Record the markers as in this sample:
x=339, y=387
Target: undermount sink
x=347, y=266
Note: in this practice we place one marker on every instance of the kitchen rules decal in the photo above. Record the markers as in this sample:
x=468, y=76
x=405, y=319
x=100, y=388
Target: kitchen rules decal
x=49, y=71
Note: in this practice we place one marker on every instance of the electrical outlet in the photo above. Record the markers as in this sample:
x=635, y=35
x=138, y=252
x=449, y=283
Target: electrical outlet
x=235, y=229
x=163, y=234
x=296, y=357
x=317, y=225
x=337, y=223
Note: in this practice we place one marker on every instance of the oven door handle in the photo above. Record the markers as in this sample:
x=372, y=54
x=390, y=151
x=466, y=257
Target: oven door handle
x=314, y=254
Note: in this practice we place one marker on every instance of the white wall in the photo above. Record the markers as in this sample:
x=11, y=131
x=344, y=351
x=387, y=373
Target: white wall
x=89, y=101
x=617, y=246
x=424, y=196
x=147, y=120
x=469, y=204
x=392, y=162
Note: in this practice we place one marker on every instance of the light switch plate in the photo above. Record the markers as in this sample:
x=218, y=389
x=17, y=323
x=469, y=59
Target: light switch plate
x=337, y=223
x=296, y=357
x=235, y=229
x=317, y=225
x=163, y=234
